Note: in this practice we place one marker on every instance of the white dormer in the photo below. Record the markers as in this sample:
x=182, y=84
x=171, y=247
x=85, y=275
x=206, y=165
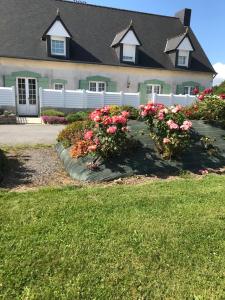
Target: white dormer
x=126, y=43
x=184, y=50
x=58, y=29
x=58, y=38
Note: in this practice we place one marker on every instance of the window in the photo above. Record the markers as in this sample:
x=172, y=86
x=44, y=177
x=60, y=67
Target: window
x=153, y=88
x=97, y=86
x=58, y=46
x=183, y=58
x=189, y=90
x=58, y=86
x=129, y=53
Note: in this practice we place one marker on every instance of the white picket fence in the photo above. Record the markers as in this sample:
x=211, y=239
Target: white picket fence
x=7, y=97
x=78, y=99
x=85, y=99
x=171, y=99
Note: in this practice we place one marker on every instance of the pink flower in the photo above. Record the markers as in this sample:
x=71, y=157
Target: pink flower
x=186, y=125
x=172, y=125
x=141, y=106
x=204, y=172
x=112, y=130
x=125, y=114
x=161, y=116
x=222, y=96
x=208, y=91
x=97, y=119
x=105, y=110
x=88, y=135
x=176, y=109
x=92, y=148
x=124, y=129
x=96, y=141
x=107, y=120
x=166, y=141
x=119, y=120
x=201, y=97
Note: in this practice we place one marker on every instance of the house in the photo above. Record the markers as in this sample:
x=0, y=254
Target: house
x=65, y=45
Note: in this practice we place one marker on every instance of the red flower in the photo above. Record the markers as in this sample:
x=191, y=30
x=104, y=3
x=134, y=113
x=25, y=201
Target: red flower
x=88, y=135
x=222, y=96
x=196, y=91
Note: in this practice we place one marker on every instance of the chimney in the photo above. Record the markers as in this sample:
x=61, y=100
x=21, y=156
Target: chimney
x=185, y=16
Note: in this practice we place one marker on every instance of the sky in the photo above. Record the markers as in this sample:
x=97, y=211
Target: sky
x=208, y=22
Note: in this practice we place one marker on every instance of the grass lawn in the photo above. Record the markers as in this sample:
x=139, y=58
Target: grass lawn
x=158, y=240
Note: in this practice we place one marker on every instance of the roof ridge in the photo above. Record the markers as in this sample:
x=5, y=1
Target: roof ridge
x=115, y=8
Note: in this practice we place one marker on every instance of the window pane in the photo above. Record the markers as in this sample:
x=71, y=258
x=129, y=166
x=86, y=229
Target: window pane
x=101, y=86
x=186, y=90
x=59, y=86
x=58, y=47
x=22, y=91
x=149, y=89
x=93, y=86
x=182, y=60
x=157, y=89
x=32, y=91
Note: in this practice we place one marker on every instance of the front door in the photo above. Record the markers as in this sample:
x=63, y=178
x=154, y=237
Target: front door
x=153, y=88
x=27, y=100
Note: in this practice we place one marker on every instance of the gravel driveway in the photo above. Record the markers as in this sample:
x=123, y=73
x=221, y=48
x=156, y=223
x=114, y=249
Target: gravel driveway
x=29, y=134
x=33, y=167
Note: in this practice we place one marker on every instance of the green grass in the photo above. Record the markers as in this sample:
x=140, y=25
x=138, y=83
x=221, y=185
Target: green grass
x=160, y=240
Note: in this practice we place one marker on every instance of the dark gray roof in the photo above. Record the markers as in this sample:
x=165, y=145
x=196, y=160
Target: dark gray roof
x=93, y=28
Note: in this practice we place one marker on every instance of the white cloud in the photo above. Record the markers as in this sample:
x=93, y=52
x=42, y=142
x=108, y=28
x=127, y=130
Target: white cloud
x=220, y=69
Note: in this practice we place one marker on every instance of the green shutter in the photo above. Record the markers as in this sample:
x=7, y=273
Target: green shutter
x=143, y=93
x=9, y=81
x=111, y=86
x=166, y=88
x=180, y=89
x=43, y=82
x=83, y=85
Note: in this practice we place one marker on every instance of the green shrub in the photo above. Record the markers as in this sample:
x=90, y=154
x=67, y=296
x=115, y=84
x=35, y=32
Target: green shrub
x=52, y=113
x=72, y=132
x=212, y=108
x=78, y=116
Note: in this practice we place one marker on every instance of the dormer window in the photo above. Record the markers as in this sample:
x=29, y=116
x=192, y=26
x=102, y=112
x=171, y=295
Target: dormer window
x=180, y=49
x=183, y=58
x=58, y=38
x=126, y=43
x=58, y=46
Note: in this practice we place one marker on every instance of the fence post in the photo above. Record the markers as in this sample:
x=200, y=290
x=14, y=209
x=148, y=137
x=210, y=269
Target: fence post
x=154, y=98
x=84, y=100
x=14, y=96
x=40, y=99
x=187, y=96
x=171, y=99
x=103, y=98
x=121, y=98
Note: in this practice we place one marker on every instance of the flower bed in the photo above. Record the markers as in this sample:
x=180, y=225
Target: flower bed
x=54, y=120
x=168, y=127
x=106, y=136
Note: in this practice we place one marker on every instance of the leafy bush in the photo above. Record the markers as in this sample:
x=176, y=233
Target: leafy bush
x=209, y=107
x=107, y=137
x=72, y=133
x=169, y=128
x=52, y=113
x=78, y=116
x=53, y=120
x=133, y=112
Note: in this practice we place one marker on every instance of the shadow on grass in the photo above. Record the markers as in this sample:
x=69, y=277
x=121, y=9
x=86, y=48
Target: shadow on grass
x=14, y=173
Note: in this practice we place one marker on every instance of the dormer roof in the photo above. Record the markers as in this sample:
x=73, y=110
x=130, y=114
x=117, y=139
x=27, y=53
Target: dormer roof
x=57, y=28
x=121, y=36
x=175, y=42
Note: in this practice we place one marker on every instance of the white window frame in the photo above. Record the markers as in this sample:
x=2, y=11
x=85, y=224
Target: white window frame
x=61, y=39
x=59, y=83
x=129, y=58
x=153, y=88
x=183, y=54
x=97, y=83
x=190, y=90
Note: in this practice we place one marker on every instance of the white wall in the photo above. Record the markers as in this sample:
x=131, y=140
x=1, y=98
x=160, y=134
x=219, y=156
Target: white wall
x=73, y=72
x=7, y=97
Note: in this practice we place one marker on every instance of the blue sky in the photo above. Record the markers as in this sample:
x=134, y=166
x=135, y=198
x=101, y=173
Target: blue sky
x=208, y=21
